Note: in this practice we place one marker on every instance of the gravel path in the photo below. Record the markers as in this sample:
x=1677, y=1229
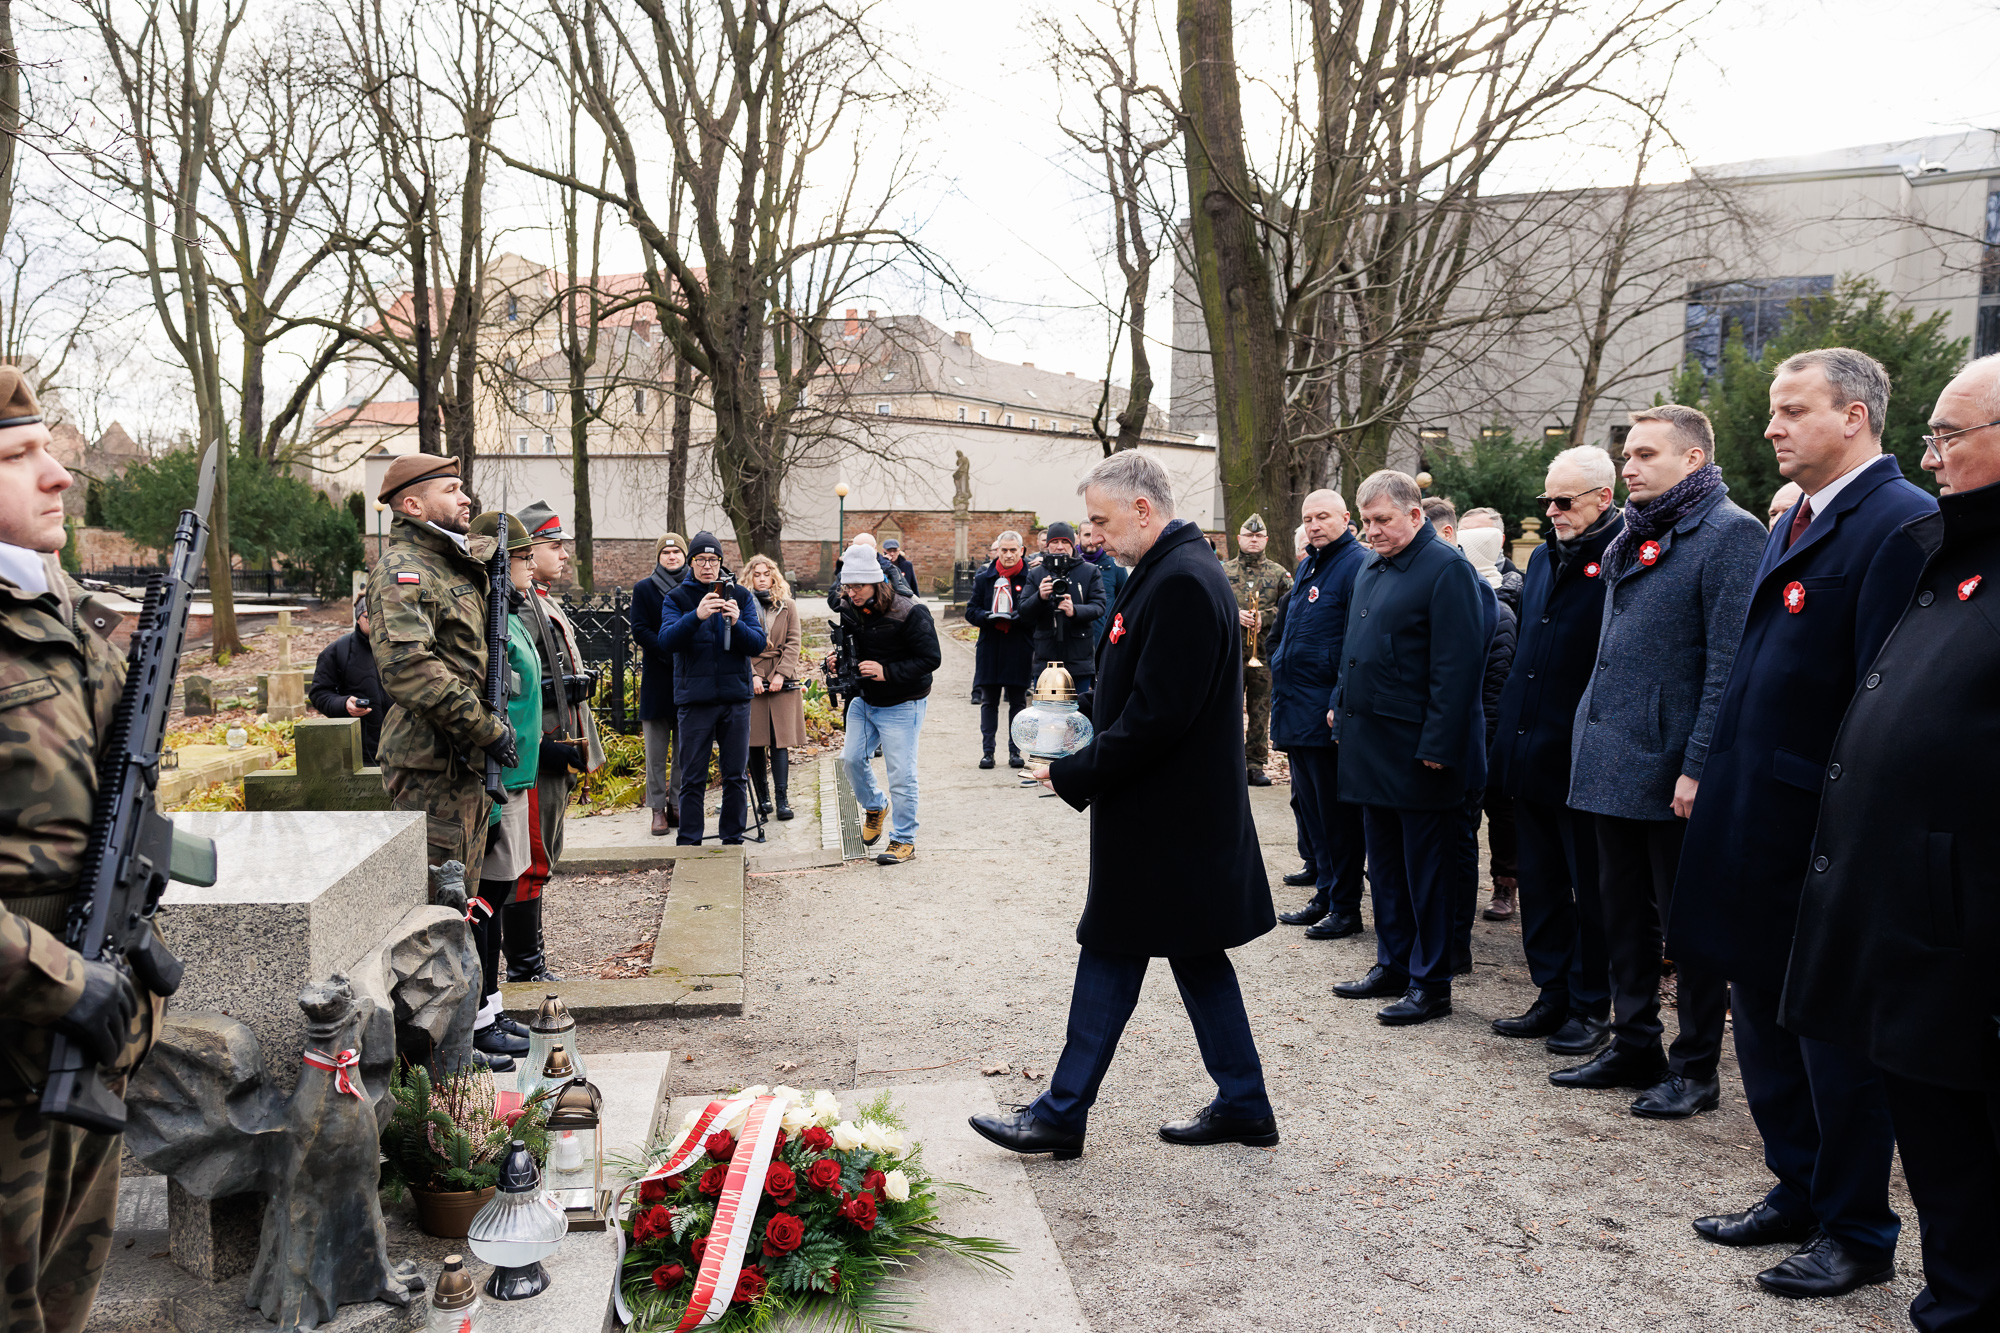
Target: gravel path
x=1428, y=1178
x=604, y=925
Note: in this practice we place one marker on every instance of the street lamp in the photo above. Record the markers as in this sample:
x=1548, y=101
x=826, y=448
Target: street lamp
x=840, y=489
x=379, y=508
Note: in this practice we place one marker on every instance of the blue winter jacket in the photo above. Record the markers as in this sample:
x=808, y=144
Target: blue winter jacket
x=1306, y=662
x=704, y=671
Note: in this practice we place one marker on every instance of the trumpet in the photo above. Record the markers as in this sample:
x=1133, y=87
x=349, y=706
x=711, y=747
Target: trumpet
x=1257, y=616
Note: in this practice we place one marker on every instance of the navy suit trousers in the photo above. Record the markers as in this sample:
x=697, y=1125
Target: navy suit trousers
x=1107, y=990
x=1331, y=825
x=1824, y=1116
x=1412, y=869
x=727, y=728
x=1950, y=1141
x=1637, y=860
x=1562, y=921
x=1465, y=884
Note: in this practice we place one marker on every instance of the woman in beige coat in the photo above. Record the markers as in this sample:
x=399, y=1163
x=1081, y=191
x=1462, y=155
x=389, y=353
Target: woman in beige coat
x=777, y=701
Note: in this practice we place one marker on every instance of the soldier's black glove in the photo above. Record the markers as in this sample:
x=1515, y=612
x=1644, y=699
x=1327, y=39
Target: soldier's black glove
x=100, y=1020
x=559, y=757
x=503, y=751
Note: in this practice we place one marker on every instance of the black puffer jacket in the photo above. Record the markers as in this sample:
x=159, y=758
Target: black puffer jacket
x=1499, y=661
x=1067, y=639
x=347, y=667
x=903, y=639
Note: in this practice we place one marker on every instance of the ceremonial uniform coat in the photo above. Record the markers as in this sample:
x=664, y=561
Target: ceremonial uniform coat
x=1264, y=581
x=1169, y=736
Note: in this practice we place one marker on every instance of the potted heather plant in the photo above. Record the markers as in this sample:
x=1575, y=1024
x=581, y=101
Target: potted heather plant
x=444, y=1143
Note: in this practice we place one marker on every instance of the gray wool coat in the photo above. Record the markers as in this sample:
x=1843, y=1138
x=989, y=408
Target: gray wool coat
x=1668, y=640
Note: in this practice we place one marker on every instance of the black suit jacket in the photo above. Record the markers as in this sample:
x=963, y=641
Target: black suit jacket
x=1169, y=737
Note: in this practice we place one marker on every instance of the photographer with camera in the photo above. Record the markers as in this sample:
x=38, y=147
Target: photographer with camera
x=886, y=648
x=1062, y=608
x=710, y=624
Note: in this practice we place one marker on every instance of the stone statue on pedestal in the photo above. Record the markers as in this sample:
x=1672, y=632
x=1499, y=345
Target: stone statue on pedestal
x=961, y=508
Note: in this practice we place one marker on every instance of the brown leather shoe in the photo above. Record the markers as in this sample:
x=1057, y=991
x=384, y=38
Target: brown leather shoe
x=1502, y=906
x=660, y=826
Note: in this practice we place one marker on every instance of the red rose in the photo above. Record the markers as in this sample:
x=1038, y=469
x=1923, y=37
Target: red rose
x=720, y=1144
x=698, y=1248
x=824, y=1174
x=652, y=1224
x=781, y=1184
x=711, y=1179
x=860, y=1210
x=653, y=1191
x=833, y=1279
x=872, y=1181
x=675, y=1181
x=668, y=1276
x=780, y=1140
x=749, y=1284
x=782, y=1235
x=816, y=1139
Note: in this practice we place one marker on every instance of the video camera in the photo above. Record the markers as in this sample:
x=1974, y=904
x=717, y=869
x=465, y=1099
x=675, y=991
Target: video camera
x=842, y=673
x=1058, y=569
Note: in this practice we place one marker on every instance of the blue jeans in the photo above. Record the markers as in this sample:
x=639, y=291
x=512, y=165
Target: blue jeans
x=894, y=729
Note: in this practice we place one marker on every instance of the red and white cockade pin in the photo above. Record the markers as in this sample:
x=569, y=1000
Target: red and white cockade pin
x=1590, y=570
x=1117, y=627
x=1312, y=593
x=1648, y=552
x=1795, y=597
x=1970, y=586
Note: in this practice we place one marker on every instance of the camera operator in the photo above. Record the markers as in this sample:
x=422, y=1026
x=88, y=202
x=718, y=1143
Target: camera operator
x=891, y=649
x=1062, y=608
x=710, y=624
x=347, y=683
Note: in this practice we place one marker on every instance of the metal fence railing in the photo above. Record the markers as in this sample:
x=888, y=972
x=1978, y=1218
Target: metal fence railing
x=604, y=636
x=249, y=582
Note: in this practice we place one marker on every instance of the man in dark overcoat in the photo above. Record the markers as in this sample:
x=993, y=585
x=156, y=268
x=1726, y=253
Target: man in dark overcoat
x=1837, y=571
x=1899, y=921
x=1562, y=614
x=1169, y=735
x=1005, y=653
x=1410, y=719
x=1679, y=575
x=1304, y=666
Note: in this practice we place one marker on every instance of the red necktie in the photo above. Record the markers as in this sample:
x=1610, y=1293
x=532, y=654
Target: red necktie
x=1800, y=522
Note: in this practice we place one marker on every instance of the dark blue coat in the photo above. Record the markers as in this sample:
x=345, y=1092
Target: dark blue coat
x=1306, y=662
x=1169, y=718
x=1006, y=651
x=1410, y=687
x=704, y=671
x=1749, y=843
x=656, y=665
x=1562, y=614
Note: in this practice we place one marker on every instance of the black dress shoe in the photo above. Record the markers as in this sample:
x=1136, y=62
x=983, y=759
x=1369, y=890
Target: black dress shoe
x=1824, y=1267
x=495, y=1042
x=986, y=761
x=1676, y=1098
x=1544, y=1016
x=493, y=1064
x=1257, y=778
x=1420, y=1005
x=1015, y=761
x=1307, y=915
x=1618, y=1067
x=511, y=1027
x=1022, y=1132
x=1210, y=1126
x=1759, y=1224
x=1300, y=879
x=1334, y=926
x=1379, y=982
x=1579, y=1035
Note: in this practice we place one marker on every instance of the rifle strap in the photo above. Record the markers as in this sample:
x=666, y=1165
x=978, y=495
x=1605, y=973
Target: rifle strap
x=50, y=911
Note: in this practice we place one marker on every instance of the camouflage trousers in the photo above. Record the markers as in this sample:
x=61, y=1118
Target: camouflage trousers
x=1257, y=703
x=58, y=1204
x=456, y=809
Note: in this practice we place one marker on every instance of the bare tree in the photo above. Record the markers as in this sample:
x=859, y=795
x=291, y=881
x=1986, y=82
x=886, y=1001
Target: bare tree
x=1124, y=134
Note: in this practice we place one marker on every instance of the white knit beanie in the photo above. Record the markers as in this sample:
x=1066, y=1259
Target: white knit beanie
x=859, y=565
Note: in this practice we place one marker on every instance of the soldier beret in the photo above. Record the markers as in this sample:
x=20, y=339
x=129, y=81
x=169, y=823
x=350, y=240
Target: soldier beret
x=18, y=406
x=488, y=524
x=410, y=469
x=1254, y=523
x=544, y=525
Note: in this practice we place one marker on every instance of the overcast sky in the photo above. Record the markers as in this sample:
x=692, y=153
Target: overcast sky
x=1763, y=80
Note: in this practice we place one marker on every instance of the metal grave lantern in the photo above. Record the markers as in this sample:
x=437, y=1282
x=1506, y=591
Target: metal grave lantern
x=1051, y=726
x=455, y=1304
x=576, y=1155
x=552, y=1027
x=521, y=1225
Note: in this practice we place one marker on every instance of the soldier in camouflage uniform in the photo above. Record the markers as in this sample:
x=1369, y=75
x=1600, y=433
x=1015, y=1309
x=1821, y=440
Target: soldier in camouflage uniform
x=1248, y=571
x=427, y=614
x=60, y=680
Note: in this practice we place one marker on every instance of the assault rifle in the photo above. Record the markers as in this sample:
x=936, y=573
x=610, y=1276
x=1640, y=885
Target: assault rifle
x=500, y=586
x=133, y=848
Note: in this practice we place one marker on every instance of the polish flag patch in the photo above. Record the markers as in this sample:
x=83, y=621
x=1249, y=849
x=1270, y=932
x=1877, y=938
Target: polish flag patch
x=1795, y=597
x=410, y=577
x=1117, y=627
x=1648, y=552
x=1970, y=586
x=1592, y=570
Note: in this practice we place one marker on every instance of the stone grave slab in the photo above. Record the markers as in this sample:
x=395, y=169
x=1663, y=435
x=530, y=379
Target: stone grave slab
x=298, y=896
x=200, y=766
x=330, y=775
x=197, y=696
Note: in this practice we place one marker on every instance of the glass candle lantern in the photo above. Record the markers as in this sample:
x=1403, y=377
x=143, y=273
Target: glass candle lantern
x=576, y=1155
x=455, y=1305
x=552, y=1027
x=521, y=1225
x=1051, y=726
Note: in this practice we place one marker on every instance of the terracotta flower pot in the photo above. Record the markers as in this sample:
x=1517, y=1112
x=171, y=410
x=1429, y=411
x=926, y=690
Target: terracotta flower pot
x=448, y=1214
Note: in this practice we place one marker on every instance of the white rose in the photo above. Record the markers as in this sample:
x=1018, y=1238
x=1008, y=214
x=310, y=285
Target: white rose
x=846, y=1137
x=797, y=1117
x=896, y=1186
x=894, y=1144
x=873, y=1138
x=787, y=1096
x=756, y=1090
x=825, y=1108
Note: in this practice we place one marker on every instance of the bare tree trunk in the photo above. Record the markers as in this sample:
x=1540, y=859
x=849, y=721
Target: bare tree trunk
x=10, y=114
x=683, y=432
